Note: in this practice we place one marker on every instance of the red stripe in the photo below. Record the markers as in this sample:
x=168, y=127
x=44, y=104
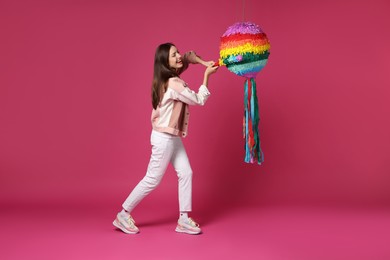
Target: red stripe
x=240, y=37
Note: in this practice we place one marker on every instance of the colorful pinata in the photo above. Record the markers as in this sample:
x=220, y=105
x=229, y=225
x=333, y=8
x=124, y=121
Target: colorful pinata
x=244, y=50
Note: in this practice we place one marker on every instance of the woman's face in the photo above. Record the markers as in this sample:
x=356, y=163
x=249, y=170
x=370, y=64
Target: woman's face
x=175, y=61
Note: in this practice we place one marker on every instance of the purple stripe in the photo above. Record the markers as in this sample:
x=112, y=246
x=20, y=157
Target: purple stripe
x=243, y=27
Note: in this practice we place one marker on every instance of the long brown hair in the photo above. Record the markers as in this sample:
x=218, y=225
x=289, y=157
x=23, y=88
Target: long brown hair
x=162, y=72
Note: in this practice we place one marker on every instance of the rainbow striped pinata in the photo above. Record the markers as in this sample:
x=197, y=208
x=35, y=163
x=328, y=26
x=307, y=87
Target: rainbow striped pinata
x=244, y=50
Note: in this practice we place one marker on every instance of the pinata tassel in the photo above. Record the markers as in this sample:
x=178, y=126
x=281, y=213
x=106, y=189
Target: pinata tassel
x=251, y=120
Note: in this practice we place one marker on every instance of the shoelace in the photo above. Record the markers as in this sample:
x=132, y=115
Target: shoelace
x=131, y=221
x=193, y=223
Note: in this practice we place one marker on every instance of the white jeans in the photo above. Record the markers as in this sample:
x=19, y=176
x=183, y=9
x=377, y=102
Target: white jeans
x=165, y=148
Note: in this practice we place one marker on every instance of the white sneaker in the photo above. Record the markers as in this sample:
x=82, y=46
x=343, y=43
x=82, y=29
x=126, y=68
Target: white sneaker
x=126, y=224
x=188, y=226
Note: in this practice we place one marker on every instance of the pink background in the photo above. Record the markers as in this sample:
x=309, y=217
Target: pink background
x=75, y=100
x=75, y=103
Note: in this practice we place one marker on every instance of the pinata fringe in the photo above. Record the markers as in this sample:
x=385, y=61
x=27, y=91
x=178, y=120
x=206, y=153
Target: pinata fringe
x=246, y=48
x=251, y=120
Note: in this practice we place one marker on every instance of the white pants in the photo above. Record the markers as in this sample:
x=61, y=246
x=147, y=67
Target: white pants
x=165, y=148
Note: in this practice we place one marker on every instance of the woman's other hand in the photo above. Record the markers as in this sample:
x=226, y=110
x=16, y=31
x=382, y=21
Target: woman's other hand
x=211, y=69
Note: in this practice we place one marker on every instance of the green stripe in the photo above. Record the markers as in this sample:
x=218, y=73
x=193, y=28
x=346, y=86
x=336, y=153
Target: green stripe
x=247, y=57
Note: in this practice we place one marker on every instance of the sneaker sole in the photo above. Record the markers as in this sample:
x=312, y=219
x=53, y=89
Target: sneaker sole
x=118, y=225
x=186, y=231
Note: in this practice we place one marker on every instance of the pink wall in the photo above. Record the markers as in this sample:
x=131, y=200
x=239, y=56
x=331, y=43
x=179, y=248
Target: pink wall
x=74, y=101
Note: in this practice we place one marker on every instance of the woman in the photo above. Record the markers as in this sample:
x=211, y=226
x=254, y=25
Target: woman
x=170, y=100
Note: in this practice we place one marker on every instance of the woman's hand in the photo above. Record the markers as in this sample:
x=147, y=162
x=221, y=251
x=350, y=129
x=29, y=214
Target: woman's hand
x=204, y=63
x=208, y=63
x=209, y=70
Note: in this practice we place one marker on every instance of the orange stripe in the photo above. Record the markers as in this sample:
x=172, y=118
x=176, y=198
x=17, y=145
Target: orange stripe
x=234, y=44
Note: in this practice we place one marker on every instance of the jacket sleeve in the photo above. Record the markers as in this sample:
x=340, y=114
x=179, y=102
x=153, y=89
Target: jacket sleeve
x=187, y=59
x=183, y=93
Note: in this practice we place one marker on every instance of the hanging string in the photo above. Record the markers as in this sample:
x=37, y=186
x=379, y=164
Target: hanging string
x=258, y=153
x=253, y=152
x=243, y=10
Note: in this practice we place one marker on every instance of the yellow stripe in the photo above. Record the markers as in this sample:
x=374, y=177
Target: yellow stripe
x=248, y=47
